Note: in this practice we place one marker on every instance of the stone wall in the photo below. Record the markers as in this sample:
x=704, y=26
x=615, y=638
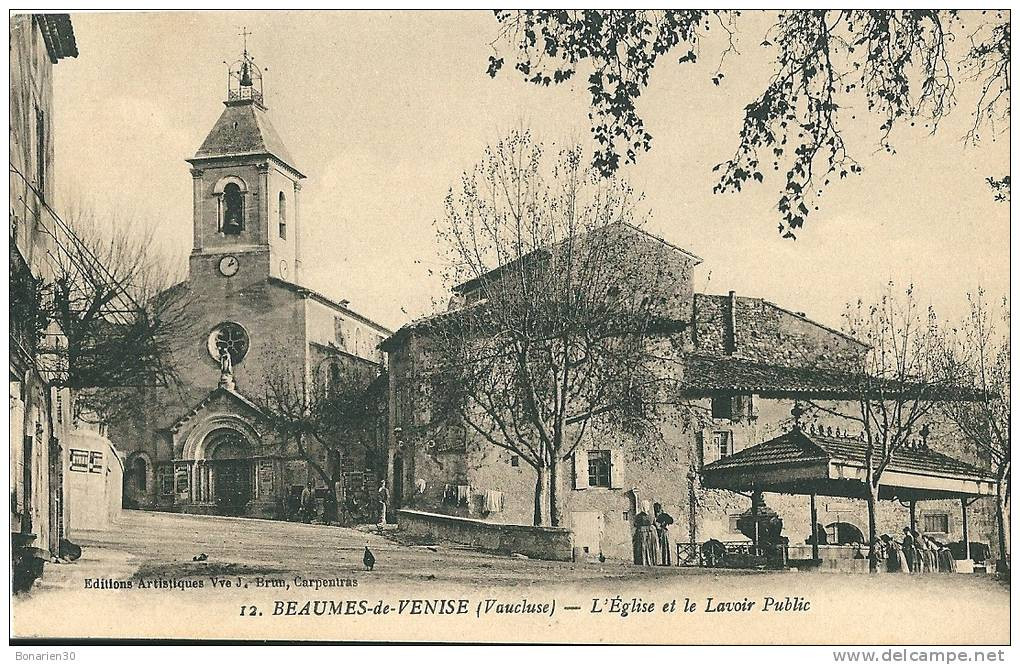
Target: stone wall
x=762, y=331
x=548, y=543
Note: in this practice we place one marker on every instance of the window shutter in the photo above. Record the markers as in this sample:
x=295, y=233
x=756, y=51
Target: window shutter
x=580, y=469
x=617, y=469
x=738, y=439
x=709, y=452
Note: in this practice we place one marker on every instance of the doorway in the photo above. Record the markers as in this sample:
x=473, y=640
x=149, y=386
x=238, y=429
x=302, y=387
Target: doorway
x=232, y=473
x=397, y=496
x=587, y=528
x=233, y=485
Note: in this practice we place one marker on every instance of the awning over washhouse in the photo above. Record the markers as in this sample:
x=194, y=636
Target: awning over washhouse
x=800, y=462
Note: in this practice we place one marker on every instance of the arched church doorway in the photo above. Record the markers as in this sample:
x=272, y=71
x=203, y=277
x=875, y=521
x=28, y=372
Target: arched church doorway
x=843, y=533
x=229, y=456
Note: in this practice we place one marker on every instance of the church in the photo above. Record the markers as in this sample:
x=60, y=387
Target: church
x=203, y=446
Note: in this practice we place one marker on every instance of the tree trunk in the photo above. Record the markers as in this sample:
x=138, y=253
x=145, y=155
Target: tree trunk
x=312, y=461
x=541, y=489
x=555, y=496
x=1000, y=518
x=872, y=529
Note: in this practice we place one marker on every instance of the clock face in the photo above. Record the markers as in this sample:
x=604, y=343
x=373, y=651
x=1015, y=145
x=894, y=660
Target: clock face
x=283, y=269
x=229, y=266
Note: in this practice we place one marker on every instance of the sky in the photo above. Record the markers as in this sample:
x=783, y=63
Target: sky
x=384, y=110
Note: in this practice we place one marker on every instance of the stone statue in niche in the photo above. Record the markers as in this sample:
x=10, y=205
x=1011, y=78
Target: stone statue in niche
x=226, y=369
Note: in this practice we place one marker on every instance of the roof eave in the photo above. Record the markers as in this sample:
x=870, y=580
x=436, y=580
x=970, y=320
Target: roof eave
x=58, y=36
x=206, y=160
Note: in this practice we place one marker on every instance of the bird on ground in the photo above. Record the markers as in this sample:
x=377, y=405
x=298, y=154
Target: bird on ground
x=369, y=559
x=602, y=557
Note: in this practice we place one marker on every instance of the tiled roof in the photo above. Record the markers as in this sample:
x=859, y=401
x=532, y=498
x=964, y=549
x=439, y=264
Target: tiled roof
x=424, y=322
x=704, y=373
x=909, y=458
x=793, y=447
x=543, y=252
x=244, y=129
x=797, y=447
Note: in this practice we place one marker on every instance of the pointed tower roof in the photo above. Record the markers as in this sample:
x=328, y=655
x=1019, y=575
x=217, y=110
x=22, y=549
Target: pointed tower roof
x=244, y=130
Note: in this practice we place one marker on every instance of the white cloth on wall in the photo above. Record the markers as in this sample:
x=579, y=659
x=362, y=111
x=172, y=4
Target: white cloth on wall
x=463, y=494
x=492, y=501
x=420, y=486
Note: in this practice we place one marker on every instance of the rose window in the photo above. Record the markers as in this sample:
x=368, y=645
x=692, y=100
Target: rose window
x=231, y=337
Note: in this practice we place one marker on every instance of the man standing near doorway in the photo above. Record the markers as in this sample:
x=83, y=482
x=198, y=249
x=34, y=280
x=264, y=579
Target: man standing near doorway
x=307, y=505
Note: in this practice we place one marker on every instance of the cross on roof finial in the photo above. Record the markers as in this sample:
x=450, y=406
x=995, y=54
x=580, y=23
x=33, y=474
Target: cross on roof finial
x=244, y=33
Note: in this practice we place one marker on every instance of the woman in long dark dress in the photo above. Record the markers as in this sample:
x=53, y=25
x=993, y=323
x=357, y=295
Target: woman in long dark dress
x=646, y=543
x=895, y=562
x=943, y=557
x=909, y=551
x=923, y=554
x=662, y=522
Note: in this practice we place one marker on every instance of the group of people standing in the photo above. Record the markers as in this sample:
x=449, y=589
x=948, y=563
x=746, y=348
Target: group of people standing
x=916, y=553
x=652, y=544
x=339, y=506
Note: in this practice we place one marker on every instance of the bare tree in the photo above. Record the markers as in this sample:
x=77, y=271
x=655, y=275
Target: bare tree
x=978, y=351
x=899, y=384
x=330, y=415
x=109, y=321
x=570, y=313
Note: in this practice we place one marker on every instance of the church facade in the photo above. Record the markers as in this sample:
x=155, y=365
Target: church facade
x=204, y=446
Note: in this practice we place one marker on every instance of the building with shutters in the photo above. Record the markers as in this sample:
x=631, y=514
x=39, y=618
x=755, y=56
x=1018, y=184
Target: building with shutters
x=204, y=446
x=747, y=363
x=40, y=409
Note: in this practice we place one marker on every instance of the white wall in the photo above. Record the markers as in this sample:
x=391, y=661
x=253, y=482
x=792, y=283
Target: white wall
x=94, y=480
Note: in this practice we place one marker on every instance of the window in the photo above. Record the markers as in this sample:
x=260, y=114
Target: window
x=722, y=408
x=722, y=443
x=515, y=460
x=231, y=337
x=283, y=216
x=733, y=407
x=936, y=523
x=600, y=468
x=338, y=331
x=743, y=407
x=232, y=222
x=733, y=524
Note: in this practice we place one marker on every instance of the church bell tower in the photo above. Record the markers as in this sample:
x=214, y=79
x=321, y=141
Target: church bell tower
x=246, y=190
